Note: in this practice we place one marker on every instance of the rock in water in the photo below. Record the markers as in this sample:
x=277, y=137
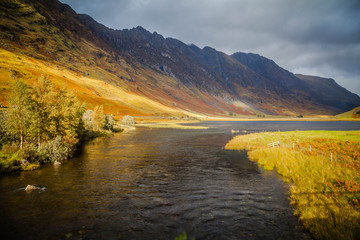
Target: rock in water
x=56, y=163
x=31, y=188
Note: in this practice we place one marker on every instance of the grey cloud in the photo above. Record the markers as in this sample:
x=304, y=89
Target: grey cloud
x=321, y=37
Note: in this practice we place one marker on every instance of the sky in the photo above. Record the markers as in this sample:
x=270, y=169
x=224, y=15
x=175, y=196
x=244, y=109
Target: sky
x=314, y=37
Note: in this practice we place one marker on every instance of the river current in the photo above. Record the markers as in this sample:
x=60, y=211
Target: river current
x=156, y=184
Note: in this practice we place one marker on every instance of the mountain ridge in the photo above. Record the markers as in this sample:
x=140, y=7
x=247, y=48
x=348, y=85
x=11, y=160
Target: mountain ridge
x=182, y=77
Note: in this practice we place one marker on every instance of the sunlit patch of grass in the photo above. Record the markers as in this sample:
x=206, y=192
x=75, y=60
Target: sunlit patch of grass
x=9, y=162
x=326, y=193
x=30, y=166
x=353, y=114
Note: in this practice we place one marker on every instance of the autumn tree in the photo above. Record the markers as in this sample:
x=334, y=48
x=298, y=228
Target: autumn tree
x=66, y=115
x=42, y=104
x=49, y=117
x=98, y=118
x=3, y=128
x=18, y=119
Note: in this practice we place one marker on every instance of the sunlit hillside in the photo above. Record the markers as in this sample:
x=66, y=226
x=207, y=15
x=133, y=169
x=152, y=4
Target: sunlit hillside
x=352, y=114
x=116, y=99
x=144, y=74
x=34, y=44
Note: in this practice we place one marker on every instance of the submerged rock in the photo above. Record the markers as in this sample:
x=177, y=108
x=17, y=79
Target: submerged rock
x=56, y=163
x=30, y=188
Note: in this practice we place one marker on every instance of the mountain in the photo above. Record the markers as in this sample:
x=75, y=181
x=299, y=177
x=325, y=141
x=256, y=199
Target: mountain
x=136, y=72
x=323, y=91
x=329, y=92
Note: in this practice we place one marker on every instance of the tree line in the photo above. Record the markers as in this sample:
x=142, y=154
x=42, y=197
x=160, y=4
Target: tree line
x=45, y=123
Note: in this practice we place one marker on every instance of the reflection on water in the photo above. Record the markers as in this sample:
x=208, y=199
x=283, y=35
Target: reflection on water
x=151, y=184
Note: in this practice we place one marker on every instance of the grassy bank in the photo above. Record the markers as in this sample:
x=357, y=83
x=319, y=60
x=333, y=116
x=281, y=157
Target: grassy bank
x=324, y=169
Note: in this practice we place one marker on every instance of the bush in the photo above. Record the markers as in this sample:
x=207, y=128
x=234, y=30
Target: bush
x=128, y=120
x=109, y=122
x=10, y=148
x=9, y=162
x=30, y=166
x=30, y=153
x=58, y=149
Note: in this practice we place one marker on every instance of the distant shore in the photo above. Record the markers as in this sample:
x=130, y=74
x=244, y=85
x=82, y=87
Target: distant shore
x=165, y=121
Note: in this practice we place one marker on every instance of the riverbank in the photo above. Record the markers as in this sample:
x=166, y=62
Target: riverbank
x=13, y=159
x=324, y=169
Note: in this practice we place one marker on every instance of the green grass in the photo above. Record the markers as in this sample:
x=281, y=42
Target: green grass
x=325, y=193
x=9, y=162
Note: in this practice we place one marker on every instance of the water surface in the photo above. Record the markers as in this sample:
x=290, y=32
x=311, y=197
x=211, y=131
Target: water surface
x=156, y=184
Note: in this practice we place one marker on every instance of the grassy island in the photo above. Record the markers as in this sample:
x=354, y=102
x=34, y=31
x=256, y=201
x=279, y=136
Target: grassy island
x=323, y=168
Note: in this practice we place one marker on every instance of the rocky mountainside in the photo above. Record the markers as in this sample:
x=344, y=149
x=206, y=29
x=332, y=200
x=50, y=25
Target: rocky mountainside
x=164, y=71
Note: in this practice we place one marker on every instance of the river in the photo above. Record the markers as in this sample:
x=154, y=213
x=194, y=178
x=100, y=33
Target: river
x=156, y=184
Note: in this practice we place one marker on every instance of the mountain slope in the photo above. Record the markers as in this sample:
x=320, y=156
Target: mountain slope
x=321, y=91
x=329, y=92
x=218, y=74
x=174, y=79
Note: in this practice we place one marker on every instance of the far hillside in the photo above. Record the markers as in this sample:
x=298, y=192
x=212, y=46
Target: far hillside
x=352, y=114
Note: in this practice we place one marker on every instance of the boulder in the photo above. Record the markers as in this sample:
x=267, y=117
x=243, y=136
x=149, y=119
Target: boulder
x=31, y=188
x=56, y=163
x=23, y=162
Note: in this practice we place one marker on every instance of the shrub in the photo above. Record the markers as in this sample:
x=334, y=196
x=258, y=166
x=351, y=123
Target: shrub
x=109, y=122
x=128, y=120
x=58, y=149
x=30, y=153
x=10, y=148
x=30, y=166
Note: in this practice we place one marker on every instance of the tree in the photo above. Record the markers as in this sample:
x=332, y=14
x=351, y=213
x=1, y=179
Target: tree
x=46, y=115
x=4, y=135
x=109, y=122
x=42, y=98
x=128, y=120
x=66, y=115
x=98, y=118
x=18, y=119
x=88, y=119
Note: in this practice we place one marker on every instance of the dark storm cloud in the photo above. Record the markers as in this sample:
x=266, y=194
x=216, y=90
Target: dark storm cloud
x=319, y=37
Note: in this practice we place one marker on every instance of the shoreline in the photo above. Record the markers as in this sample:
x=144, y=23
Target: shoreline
x=324, y=170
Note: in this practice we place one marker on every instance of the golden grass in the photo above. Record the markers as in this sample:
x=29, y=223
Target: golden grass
x=352, y=114
x=326, y=193
x=94, y=91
